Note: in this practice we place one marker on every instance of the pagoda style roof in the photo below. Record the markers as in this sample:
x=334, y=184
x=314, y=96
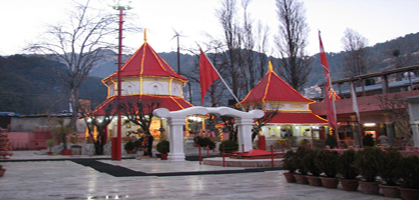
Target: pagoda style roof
x=172, y=103
x=297, y=118
x=146, y=62
x=273, y=88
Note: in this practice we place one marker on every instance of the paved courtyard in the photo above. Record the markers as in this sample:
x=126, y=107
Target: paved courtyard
x=149, y=179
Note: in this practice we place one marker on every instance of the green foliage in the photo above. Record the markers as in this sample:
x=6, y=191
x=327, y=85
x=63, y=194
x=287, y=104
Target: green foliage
x=129, y=146
x=368, y=141
x=326, y=162
x=331, y=141
x=204, y=142
x=50, y=143
x=298, y=161
x=308, y=162
x=288, y=162
x=367, y=162
x=346, y=165
x=388, y=169
x=230, y=146
x=138, y=143
x=163, y=147
x=408, y=168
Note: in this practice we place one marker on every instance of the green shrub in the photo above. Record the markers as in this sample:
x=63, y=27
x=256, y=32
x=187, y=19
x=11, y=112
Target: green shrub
x=387, y=170
x=129, y=146
x=288, y=161
x=230, y=146
x=367, y=162
x=408, y=167
x=138, y=143
x=308, y=162
x=331, y=141
x=204, y=142
x=298, y=161
x=163, y=147
x=346, y=165
x=325, y=160
x=50, y=143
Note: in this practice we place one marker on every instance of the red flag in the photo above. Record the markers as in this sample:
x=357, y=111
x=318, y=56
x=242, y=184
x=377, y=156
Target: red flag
x=329, y=93
x=207, y=74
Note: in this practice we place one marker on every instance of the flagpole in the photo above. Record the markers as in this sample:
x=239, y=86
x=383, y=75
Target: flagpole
x=222, y=79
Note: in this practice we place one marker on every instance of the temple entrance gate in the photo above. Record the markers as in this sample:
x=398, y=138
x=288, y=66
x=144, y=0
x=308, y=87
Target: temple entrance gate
x=176, y=121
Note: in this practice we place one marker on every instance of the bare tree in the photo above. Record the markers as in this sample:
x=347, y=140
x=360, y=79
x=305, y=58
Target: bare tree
x=356, y=58
x=100, y=123
x=233, y=59
x=261, y=45
x=261, y=122
x=397, y=109
x=291, y=42
x=248, y=46
x=141, y=114
x=77, y=44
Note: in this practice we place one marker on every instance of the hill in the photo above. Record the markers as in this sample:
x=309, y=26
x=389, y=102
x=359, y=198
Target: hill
x=28, y=85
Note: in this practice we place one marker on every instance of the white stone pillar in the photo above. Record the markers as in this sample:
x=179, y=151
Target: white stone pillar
x=176, y=139
x=415, y=131
x=245, y=133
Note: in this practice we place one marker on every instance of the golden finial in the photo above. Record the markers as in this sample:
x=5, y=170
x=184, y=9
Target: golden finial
x=145, y=35
x=270, y=67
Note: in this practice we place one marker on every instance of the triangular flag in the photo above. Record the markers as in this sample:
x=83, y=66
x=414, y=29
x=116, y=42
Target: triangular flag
x=207, y=74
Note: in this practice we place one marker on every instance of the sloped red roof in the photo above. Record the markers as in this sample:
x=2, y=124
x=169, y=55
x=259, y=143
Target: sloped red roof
x=273, y=88
x=172, y=103
x=297, y=118
x=146, y=61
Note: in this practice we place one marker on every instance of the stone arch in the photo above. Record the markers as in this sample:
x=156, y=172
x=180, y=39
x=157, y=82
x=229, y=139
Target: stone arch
x=176, y=121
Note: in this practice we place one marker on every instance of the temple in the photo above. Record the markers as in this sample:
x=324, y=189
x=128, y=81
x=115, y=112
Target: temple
x=293, y=118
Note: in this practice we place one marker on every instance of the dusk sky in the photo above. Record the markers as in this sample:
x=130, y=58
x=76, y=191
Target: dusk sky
x=377, y=20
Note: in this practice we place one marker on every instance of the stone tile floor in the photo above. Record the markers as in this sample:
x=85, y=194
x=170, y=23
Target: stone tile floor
x=65, y=179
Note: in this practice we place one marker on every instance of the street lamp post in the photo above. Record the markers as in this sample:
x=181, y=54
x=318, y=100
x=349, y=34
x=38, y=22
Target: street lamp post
x=117, y=142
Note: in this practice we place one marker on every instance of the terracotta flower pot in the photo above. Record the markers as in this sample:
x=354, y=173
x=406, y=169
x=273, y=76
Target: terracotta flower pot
x=390, y=190
x=65, y=152
x=314, y=180
x=130, y=151
x=349, y=184
x=301, y=179
x=329, y=182
x=369, y=187
x=164, y=156
x=289, y=177
x=409, y=193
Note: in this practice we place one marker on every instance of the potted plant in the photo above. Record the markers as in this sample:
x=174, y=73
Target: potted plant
x=163, y=147
x=388, y=172
x=325, y=160
x=204, y=142
x=138, y=143
x=289, y=164
x=50, y=143
x=2, y=170
x=367, y=161
x=331, y=141
x=408, y=168
x=308, y=162
x=298, y=162
x=346, y=168
x=129, y=147
x=228, y=147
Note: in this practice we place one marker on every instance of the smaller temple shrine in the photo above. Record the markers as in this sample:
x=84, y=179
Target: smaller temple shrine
x=293, y=120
